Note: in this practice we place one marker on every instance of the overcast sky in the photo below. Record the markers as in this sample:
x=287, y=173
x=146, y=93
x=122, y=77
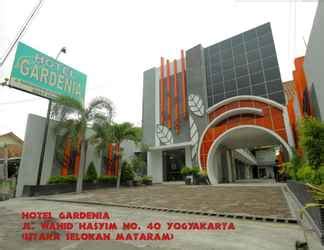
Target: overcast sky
x=113, y=42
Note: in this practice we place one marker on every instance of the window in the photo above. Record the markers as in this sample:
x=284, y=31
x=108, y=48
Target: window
x=230, y=94
x=244, y=91
x=218, y=88
x=238, y=49
x=243, y=82
x=241, y=71
x=229, y=75
x=263, y=29
x=249, y=35
x=265, y=39
x=236, y=40
x=257, y=78
x=253, y=56
x=228, y=64
x=225, y=44
x=251, y=45
x=259, y=90
x=272, y=74
x=226, y=54
x=255, y=67
x=230, y=85
x=274, y=86
x=278, y=97
x=270, y=62
x=217, y=77
x=240, y=59
x=218, y=98
x=268, y=51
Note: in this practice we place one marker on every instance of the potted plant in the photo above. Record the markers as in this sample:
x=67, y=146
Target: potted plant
x=147, y=180
x=187, y=174
x=203, y=177
x=195, y=171
x=137, y=181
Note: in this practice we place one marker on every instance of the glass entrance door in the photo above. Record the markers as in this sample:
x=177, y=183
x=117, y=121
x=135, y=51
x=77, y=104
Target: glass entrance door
x=173, y=161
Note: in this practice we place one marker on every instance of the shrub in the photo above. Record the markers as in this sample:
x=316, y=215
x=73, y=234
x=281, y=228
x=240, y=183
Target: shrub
x=312, y=140
x=91, y=173
x=108, y=179
x=138, y=164
x=127, y=172
x=186, y=171
x=307, y=174
x=195, y=171
x=62, y=179
x=147, y=179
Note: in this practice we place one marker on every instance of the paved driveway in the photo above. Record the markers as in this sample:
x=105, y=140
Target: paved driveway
x=247, y=235
x=259, y=200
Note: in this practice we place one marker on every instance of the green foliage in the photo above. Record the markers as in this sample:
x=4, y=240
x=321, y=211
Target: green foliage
x=318, y=195
x=306, y=174
x=91, y=173
x=293, y=165
x=146, y=179
x=62, y=179
x=108, y=179
x=185, y=171
x=138, y=164
x=195, y=171
x=312, y=140
x=127, y=172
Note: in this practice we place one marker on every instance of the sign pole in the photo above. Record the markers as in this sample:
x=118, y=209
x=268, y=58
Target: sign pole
x=42, y=155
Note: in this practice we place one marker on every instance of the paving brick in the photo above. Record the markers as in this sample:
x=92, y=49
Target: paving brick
x=258, y=201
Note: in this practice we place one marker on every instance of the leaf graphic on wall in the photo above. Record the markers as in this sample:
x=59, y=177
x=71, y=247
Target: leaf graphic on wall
x=196, y=105
x=164, y=134
x=194, y=137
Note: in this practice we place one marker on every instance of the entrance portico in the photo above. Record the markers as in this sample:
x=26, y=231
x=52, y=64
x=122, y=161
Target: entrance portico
x=238, y=125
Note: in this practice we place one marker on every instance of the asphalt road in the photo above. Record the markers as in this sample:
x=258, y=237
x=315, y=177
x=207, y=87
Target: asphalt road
x=247, y=234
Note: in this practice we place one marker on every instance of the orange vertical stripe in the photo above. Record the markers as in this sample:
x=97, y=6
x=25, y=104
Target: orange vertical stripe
x=169, y=95
x=176, y=97
x=66, y=158
x=162, y=91
x=184, y=86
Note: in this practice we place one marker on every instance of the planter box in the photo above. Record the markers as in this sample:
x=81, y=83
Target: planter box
x=302, y=194
x=148, y=182
x=50, y=189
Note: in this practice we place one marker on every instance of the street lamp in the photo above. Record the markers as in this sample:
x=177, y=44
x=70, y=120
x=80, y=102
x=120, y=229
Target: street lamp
x=62, y=50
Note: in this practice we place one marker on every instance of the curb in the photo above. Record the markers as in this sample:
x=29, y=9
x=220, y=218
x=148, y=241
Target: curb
x=184, y=211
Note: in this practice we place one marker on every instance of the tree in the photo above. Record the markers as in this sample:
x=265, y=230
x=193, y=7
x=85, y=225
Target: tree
x=116, y=133
x=73, y=120
x=312, y=142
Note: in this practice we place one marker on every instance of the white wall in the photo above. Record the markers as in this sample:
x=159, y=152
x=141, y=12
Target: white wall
x=28, y=169
x=155, y=165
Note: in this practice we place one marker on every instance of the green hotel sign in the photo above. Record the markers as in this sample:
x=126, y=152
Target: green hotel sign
x=39, y=74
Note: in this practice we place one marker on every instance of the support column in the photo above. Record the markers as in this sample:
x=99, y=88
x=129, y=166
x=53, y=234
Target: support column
x=155, y=166
x=188, y=156
x=229, y=165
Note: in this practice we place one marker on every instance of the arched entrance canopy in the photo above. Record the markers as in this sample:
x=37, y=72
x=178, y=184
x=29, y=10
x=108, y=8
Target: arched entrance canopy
x=244, y=111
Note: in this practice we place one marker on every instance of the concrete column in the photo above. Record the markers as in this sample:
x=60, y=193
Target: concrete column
x=234, y=169
x=155, y=165
x=188, y=156
x=247, y=172
x=229, y=165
